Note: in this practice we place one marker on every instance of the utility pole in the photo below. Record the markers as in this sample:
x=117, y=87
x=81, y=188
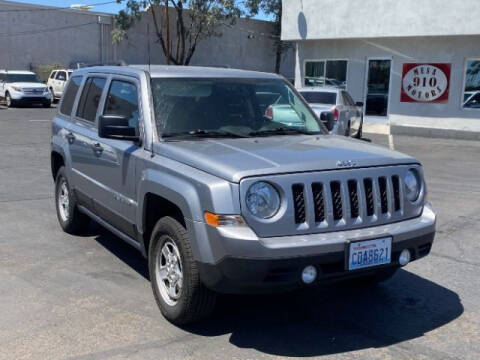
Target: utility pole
x=167, y=47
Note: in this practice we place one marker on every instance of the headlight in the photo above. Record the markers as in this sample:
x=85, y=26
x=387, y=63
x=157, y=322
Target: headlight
x=17, y=88
x=412, y=185
x=262, y=200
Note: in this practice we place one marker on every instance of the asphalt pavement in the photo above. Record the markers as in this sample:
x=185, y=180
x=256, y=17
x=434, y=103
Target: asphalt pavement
x=89, y=297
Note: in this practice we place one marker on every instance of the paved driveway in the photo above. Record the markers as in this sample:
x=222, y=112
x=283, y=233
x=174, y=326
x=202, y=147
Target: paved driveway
x=65, y=297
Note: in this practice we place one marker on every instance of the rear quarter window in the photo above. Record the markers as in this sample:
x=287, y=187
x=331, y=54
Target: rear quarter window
x=319, y=97
x=70, y=95
x=90, y=99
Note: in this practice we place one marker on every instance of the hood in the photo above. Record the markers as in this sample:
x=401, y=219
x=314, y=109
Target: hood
x=234, y=159
x=34, y=85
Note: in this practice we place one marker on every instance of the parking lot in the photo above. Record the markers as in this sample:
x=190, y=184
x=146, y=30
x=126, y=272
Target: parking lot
x=66, y=297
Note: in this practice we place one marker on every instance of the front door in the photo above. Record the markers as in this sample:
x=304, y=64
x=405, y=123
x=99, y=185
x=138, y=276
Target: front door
x=377, y=90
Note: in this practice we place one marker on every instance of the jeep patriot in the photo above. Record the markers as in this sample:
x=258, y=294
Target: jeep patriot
x=183, y=164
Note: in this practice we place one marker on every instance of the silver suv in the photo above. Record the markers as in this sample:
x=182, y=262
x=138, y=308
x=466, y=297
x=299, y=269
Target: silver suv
x=183, y=164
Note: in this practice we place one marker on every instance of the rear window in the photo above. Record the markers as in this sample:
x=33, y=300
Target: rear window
x=319, y=97
x=70, y=95
x=90, y=99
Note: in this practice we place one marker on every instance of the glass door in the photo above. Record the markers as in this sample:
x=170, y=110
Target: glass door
x=378, y=83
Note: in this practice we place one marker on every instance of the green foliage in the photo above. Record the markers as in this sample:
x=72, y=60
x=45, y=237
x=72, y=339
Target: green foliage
x=193, y=21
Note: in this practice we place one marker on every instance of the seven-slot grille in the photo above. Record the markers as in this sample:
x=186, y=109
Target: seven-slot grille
x=351, y=200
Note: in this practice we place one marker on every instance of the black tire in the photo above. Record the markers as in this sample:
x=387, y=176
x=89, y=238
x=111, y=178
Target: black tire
x=75, y=222
x=360, y=130
x=348, y=131
x=8, y=100
x=47, y=104
x=195, y=301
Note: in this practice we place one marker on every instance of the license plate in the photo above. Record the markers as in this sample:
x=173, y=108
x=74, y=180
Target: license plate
x=369, y=253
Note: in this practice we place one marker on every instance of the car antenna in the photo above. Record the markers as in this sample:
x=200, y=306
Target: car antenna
x=148, y=46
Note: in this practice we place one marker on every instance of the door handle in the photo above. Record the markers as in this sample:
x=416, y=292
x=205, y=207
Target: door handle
x=70, y=137
x=97, y=147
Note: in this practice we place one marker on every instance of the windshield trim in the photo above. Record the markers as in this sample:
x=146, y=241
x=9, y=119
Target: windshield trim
x=159, y=135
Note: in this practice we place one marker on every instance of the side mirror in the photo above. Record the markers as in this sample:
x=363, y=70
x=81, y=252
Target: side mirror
x=327, y=120
x=116, y=127
x=359, y=104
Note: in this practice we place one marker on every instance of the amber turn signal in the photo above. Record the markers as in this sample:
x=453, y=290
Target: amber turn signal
x=223, y=220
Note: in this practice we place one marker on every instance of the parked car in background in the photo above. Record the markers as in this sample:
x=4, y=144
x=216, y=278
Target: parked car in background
x=23, y=87
x=347, y=115
x=56, y=82
x=182, y=163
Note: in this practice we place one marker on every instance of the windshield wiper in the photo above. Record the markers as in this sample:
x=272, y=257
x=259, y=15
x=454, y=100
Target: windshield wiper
x=204, y=133
x=281, y=131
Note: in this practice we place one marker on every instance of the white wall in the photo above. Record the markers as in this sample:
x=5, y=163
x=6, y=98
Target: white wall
x=340, y=19
x=452, y=50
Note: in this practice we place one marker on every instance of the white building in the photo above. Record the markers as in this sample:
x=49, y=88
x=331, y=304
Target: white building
x=413, y=63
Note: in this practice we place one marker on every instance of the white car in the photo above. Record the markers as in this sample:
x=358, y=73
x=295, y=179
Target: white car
x=23, y=87
x=56, y=82
x=347, y=115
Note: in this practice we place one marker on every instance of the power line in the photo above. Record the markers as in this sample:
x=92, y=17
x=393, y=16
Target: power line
x=54, y=8
x=30, y=32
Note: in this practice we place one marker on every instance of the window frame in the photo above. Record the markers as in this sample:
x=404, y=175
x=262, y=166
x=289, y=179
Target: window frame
x=464, y=83
x=92, y=124
x=58, y=73
x=53, y=75
x=325, y=60
x=128, y=80
x=80, y=87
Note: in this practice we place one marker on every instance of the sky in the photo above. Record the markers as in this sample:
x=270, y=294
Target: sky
x=109, y=8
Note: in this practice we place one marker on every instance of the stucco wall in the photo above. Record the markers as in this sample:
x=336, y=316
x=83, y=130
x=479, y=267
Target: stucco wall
x=452, y=50
x=27, y=38
x=245, y=45
x=334, y=19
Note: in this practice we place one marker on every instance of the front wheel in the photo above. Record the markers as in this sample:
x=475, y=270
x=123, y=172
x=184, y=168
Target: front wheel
x=8, y=100
x=176, y=285
x=52, y=94
x=47, y=104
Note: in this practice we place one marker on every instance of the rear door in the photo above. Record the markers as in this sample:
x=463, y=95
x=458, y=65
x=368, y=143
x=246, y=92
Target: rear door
x=83, y=150
x=60, y=80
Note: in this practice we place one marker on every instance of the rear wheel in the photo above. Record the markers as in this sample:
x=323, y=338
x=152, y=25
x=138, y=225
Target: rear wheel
x=52, y=94
x=47, y=104
x=178, y=291
x=70, y=218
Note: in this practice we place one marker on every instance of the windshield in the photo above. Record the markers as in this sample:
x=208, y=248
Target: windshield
x=229, y=108
x=11, y=78
x=319, y=97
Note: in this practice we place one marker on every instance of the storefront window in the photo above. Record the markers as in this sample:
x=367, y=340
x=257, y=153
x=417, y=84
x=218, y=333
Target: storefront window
x=326, y=73
x=471, y=94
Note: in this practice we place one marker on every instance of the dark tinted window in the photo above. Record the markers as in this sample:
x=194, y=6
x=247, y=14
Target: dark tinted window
x=52, y=75
x=348, y=99
x=61, y=75
x=70, y=95
x=3, y=77
x=88, y=104
x=319, y=97
x=122, y=99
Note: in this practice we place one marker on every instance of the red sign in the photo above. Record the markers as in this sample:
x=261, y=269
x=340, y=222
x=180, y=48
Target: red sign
x=426, y=83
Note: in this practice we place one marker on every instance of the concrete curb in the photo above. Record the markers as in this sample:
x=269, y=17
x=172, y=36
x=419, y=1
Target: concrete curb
x=434, y=132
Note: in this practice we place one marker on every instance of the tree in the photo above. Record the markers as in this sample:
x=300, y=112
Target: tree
x=194, y=20
x=271, y=8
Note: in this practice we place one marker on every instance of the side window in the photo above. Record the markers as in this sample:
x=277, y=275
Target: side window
x=52, y=75
x=122, y=99
x=61, y=75
x=90, y=99
x=70, y=95
x=348, y=99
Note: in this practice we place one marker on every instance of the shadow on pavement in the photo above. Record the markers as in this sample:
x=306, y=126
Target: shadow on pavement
x=336, y=319
x=319, y=321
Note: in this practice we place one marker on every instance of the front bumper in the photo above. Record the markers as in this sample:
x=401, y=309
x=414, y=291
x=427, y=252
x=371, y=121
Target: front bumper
x=250, y=264
x=22, y=98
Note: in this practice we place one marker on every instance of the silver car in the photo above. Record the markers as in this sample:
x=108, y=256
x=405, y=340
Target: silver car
x=190, y=167
x=347, y=114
